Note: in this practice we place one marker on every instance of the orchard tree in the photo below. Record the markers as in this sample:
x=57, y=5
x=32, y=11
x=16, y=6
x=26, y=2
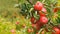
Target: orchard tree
x=44, y=16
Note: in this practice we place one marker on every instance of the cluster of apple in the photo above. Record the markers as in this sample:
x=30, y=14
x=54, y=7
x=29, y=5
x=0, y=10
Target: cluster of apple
x=41, y=10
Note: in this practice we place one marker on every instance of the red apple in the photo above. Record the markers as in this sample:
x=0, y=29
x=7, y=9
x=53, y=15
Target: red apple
x=17, y=23
x=44, y=10
x=29, y=30
x=55, y=9
x=43, y=20
x=32, y=20
x=57, y=30
x=38, y=6
x=41, y=13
